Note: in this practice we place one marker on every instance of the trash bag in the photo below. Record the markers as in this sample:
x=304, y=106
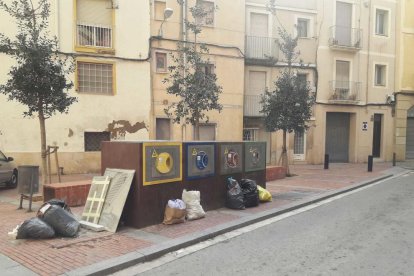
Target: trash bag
x=63, y=222
x=35, y=228
x=175, y=212
x=264, y=195
x=250, y=192
x=234, y=198
x=59, y=202
x=193, y=206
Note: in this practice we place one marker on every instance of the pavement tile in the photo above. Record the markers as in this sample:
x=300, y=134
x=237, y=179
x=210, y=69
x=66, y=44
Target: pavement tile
x=92, y=251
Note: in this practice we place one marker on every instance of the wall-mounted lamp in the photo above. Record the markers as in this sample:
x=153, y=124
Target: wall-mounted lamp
x=167, y=14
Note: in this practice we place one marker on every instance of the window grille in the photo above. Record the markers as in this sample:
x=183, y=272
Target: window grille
x=94, y=35
x=95, y=78
x=299, y=143
x=250, y=134
x=93, y=140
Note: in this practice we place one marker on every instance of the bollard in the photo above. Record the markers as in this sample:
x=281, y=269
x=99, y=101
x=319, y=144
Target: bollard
x=370, y=161
x=393, y=159
x=326, y=164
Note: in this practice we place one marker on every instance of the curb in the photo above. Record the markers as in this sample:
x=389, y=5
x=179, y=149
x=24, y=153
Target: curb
x=148, y=254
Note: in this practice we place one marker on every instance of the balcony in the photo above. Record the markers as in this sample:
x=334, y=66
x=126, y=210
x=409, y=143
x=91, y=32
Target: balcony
x=261, y=50
x=344, y=91
x=345, y=38
x=252, y=106
x=95, y=36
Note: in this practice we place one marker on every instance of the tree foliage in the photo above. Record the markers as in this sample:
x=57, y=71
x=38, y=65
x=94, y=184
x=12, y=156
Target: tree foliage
x=289, y=106
x=38, y=79
x=192, y=78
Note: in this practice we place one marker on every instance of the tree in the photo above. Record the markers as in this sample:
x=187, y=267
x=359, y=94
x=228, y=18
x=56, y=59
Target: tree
x=38, y=80
x=192, y=78
x=289, y=106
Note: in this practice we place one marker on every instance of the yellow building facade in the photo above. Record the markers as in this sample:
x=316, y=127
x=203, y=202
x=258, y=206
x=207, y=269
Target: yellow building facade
x=223, y=34
x=404, y=96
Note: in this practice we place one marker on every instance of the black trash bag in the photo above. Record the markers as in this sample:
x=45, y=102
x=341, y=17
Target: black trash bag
x=234, y=198
x=59, y=202
x=64, y=223
x=250, y=192
x=35, y=228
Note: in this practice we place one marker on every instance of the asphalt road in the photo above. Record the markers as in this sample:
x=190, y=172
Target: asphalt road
x=370, y=232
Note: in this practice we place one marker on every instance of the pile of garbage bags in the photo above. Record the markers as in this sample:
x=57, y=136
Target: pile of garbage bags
x=54, y=218
x=246, y=194
x=177, y=210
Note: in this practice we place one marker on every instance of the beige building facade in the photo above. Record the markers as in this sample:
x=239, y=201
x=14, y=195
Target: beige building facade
x=404, y=96
x=349, y=52
x=223, y=34
x=110, y=42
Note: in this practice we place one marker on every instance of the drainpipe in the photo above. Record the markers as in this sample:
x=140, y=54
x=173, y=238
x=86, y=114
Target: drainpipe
x=184, y=18
x=368, y=52
x=57, y=22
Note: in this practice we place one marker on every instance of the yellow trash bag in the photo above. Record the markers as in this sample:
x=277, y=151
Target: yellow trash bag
x=264, y=195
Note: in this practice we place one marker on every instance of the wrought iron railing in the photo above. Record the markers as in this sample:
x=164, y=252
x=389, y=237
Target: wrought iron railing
x=263, y=48
x=345, y=90
x=252, y=105
x=345, y=37
x=94, y=35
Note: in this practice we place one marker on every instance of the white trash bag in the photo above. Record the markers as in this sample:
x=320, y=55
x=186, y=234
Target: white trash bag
x=194, y=209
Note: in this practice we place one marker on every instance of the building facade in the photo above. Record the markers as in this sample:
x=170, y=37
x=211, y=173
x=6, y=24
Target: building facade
x=404, y=96
x=349, y=52
x=110, y=43
x=223, y=34
x=122, y=50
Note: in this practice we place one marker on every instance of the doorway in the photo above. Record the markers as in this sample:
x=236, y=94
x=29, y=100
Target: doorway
x=376, y=139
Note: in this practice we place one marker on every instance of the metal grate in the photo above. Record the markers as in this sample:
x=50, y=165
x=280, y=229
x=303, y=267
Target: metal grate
x=95, y=78
x=93, y=140
x=299, y=143
x=94, y=35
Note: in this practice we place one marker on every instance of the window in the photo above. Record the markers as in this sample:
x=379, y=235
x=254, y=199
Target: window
x=207, y=132
x=250, y=134
x=94, y=23
x=302, y=79
x=380, y=75
x=159, y=7
x=381, y=22
x=302, y=27
x=163, y=131
x=207, y=18
x=161, y=62
x=93, y=140
x=95, y=78
x=207, y=69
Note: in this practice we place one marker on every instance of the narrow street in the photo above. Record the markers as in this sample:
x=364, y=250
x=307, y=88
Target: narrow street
x=368, y=232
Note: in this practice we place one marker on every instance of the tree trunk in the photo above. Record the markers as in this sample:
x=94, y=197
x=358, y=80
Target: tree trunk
x=43, y=148
x=197, y=131
x=285, y=161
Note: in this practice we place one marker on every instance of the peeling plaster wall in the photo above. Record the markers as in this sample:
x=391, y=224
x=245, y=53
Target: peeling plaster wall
x=125, y=114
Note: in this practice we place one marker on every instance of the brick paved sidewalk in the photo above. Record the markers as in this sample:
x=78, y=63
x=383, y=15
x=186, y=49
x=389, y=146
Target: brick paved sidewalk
x=61, y=255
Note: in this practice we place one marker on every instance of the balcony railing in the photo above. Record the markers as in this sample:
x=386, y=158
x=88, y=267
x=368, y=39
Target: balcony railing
x=262, y=48
x=345, y=91
x=345, y=37
x=252, y=105
x=94, y=35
